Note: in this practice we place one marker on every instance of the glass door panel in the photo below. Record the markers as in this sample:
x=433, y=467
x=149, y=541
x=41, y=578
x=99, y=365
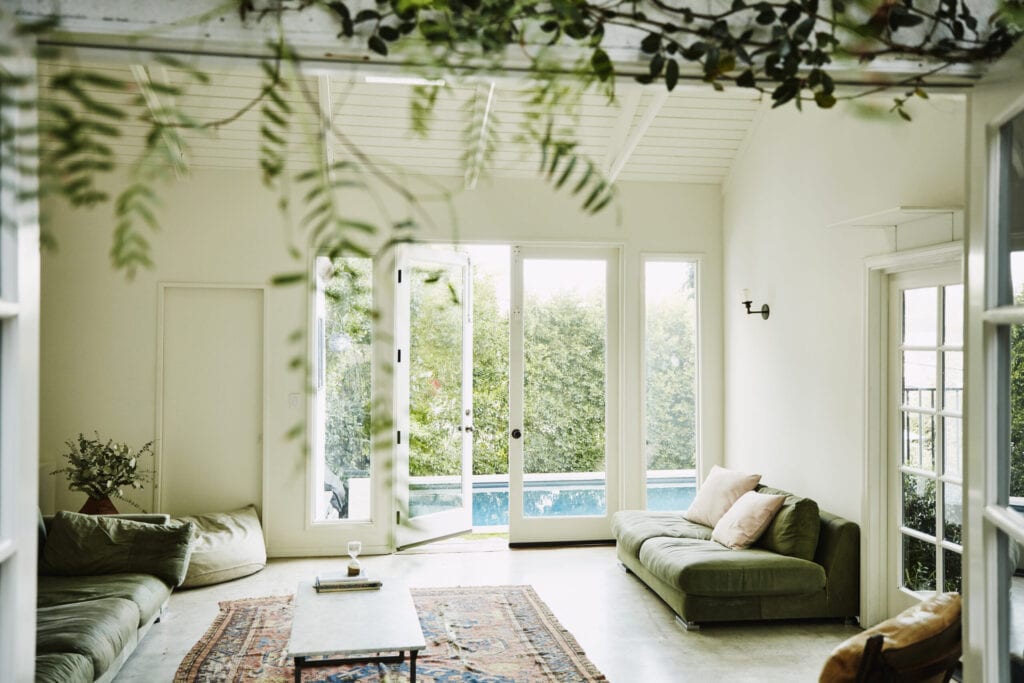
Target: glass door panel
x=562, y=378
x=434, y=395
x=564, y=344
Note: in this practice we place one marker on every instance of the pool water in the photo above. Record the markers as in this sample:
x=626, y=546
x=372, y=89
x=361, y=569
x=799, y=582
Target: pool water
x=549, y=499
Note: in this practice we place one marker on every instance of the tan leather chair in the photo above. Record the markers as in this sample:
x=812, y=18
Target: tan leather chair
x=922, y=643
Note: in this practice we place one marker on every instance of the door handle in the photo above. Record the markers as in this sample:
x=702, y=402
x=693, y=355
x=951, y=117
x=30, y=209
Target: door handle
x=469, y=429
x=516, y=433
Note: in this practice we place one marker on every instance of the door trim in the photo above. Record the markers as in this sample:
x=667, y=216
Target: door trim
x=158, y=461
x=875, y=500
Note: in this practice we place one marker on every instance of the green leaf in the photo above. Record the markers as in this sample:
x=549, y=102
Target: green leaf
x=671, y=74
x=825, y=100
x=651, y=43
x=388, y=33
x=378, y=45
x=285, y=279
x=602, y=64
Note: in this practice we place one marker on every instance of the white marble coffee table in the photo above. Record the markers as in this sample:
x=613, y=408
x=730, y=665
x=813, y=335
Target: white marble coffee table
x=357, y=625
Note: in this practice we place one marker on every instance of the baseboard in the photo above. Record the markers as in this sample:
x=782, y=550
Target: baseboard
x=560, y=544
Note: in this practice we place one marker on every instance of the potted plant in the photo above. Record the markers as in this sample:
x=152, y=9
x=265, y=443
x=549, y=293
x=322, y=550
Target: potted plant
x=103, y=471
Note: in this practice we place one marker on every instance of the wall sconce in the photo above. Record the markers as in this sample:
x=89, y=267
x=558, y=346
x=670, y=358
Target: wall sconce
x=764, y=311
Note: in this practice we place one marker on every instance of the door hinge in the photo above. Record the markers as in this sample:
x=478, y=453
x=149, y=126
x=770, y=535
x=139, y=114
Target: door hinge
x=399, y=355
x=399, y=276
x=399, y=436
x=398, y=516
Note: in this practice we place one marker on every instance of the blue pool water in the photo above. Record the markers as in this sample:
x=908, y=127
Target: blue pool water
x=548, y=499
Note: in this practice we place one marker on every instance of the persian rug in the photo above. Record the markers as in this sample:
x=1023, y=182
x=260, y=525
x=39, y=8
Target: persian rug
x=486, y=634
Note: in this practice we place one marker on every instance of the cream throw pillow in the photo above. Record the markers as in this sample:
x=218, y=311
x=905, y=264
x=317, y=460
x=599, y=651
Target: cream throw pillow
x=720, y=490
x=747, y=519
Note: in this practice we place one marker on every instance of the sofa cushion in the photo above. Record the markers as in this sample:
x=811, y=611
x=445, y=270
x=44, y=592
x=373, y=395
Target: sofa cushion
x=63, y=667
x=746, y=520
x=794, y=531
x=632, y=527
x=87, y=545
x=717, y=494
x=99, y=629
x=147, y=592
x=226, y=545
x=709, y=569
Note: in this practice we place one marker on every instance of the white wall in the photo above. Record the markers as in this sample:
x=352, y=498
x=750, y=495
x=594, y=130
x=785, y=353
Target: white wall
x=99, y=332
x=795, y=384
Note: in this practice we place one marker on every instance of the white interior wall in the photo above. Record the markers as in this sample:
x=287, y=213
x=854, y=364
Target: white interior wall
x=99, y=333
x=795, y=384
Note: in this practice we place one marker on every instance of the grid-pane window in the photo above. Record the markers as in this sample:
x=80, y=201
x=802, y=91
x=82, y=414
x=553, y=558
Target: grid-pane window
x=931, y=460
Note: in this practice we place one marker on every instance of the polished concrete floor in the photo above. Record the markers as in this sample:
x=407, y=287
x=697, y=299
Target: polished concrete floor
x=625, y=629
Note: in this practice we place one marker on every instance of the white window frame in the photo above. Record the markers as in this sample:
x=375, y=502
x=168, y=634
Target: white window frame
x=19, y=395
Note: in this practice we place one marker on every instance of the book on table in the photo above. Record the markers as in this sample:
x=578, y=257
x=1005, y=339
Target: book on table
x=337, y=581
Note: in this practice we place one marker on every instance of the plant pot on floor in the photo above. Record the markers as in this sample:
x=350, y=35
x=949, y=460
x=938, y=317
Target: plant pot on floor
x=98, y=506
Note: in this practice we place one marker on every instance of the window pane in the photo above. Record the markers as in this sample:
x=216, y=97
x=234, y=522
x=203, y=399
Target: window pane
x=918, y=564
x=953, y=438
x=953, y=512
x=919, y=376
x=953, y=379
x=670, y=343
x=919, y=503
x=953, y=580
x=435, y=388
x=919, y=441
x=348, y=362
x=1016, y=474
x=564, y=331
x=920, y=311
x=954, y=316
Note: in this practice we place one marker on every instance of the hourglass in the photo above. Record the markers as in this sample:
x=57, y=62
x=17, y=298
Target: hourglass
x=354, y=548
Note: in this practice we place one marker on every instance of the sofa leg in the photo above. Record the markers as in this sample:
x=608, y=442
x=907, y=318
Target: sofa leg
x=687, y=625
x=624, y=568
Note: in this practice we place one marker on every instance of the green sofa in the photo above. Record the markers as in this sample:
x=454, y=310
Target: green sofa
x=103, y=582
x=806, y=565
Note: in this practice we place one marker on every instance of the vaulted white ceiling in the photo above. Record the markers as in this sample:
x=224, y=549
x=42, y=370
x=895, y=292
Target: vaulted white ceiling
x=692, y=135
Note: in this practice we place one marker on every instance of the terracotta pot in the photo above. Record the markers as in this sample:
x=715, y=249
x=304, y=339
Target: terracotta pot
x=99, y=506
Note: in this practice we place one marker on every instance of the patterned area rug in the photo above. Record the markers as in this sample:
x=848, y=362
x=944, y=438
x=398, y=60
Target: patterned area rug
x=489, y=634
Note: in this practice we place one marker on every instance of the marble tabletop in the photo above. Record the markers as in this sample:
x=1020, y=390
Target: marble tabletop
x=354, y=622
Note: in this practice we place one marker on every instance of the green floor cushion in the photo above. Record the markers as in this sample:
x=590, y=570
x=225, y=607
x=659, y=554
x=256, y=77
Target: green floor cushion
x=632, y=527
x=99, y=629
x=795, y=529
x=88, y=545
x=710, y=569
x=226, y=546
x=147, y=592
x=63, y=667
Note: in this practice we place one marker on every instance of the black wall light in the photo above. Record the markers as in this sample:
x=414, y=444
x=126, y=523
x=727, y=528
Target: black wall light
x=764, y=311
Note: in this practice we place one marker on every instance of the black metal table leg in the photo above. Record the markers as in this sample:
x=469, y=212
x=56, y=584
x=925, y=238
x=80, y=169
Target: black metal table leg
x=299, y=661
x=412, y=666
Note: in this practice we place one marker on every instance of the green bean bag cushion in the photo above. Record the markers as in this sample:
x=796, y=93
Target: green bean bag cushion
x=226, y=546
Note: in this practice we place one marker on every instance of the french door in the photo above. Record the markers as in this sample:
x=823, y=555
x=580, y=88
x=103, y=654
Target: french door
x=563, y=389
x=925, y=472
x=433, y=395
x=994, y=468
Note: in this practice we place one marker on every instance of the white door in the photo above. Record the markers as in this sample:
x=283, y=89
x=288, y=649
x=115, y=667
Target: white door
x=925, y=470
x=210, y=437
x=433, y=395
x=994, y=463
x=563, y=394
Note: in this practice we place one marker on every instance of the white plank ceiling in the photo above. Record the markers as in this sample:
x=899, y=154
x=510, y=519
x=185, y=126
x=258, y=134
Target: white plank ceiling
x=692, y=135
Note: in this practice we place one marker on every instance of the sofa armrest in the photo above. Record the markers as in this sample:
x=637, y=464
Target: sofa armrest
x=839, y=553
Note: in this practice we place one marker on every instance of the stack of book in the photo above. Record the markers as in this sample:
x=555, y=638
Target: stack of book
x=339, y=581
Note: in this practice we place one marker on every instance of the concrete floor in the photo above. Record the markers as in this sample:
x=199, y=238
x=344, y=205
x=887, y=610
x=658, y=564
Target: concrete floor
x=625, y=629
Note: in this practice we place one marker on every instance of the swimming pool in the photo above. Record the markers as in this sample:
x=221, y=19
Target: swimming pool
x=546, y=498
